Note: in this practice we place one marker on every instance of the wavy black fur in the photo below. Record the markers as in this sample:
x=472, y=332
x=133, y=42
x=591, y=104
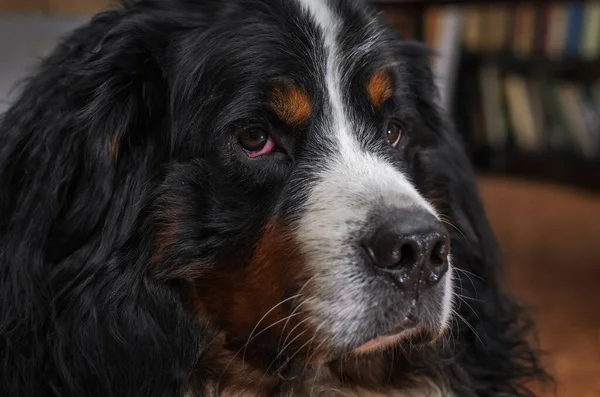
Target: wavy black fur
x=80, y=313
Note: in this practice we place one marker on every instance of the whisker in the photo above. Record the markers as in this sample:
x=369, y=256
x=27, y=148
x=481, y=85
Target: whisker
x=470, y=273
x=447, y=222
x=462, y=288
x=301, y=347
x=286, y=318
x=307, y=361
x=317, y=373
x=250, y=337
x=292, y=330
x=468, y=297
x=466, y=273
x=468, y=325
x=318, y=346
x=448, y=337
x=296, y=308
x=470, y=307
x=265, y=316
x=286, y=323
x=279, y=355
x=392, y=365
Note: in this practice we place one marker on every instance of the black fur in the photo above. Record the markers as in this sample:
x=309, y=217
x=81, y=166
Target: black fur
x=83, y=312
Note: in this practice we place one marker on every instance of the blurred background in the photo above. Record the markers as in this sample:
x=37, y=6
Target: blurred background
x=522, y=82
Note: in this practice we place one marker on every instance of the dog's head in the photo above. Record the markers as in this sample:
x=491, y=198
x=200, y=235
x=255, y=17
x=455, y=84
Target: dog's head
x=272, y=173
x=293, y=208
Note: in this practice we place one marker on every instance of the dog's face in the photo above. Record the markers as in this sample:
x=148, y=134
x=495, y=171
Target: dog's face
x=294, y=210
x=187, y=182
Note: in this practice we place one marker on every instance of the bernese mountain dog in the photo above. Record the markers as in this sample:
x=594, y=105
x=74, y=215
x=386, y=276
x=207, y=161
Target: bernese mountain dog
x=246, y=198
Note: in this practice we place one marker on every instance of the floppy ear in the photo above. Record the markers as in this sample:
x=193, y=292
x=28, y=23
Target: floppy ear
x=93, y=100
x=78, y=151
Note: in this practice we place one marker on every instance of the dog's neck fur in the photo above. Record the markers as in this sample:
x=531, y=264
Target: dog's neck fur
x=227, y=374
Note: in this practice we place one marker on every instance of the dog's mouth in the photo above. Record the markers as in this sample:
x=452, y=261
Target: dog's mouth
x=410, y=330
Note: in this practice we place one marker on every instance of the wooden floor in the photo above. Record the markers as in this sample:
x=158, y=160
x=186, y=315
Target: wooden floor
x=551, y=242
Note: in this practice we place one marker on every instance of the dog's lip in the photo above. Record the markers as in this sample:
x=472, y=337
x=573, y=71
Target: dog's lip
x=410, y=327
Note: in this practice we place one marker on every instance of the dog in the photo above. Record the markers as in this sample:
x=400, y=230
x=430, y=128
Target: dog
x=246, y=198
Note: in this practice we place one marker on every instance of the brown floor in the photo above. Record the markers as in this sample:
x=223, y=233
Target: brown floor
x=551, y=242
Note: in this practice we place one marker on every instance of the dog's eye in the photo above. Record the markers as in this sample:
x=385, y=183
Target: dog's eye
x=256, y=141
x=393, y=133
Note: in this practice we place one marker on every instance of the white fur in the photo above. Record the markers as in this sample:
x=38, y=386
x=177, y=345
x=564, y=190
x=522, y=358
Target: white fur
x=351, y=183
x=448, y=295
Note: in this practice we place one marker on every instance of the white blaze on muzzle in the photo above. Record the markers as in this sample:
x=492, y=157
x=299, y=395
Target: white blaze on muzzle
x=351, y=182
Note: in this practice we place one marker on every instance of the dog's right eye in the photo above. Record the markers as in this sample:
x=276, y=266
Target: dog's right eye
x=394, y=132
x=256, y=141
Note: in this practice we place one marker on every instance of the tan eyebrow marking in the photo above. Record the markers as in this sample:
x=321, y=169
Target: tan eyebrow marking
x=291, y=104
x=380, y=87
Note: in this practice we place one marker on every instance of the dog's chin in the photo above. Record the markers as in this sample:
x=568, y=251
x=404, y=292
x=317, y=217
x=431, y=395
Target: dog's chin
x=415, y=335
x=410, y=335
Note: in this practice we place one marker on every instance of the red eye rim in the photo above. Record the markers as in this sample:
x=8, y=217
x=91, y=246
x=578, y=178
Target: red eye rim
x=256, y=141
x=268, y=148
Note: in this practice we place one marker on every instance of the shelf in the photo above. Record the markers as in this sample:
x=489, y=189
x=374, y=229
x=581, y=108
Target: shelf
x=536, y=64
x=553, y=167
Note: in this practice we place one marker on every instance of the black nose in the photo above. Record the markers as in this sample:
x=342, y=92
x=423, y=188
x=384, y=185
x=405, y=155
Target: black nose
x=412, y=244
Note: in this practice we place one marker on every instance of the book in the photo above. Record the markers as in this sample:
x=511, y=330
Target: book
x=496, y=129
x=571, y=103
x=542, y=28
x=557, y=135
x=534, y=95
x=521, y=113
x=485, y=29
x=524, y=33
x=590, y=41
x=500, y=24
x=574, y=28
x=471, y=33
x=556, y=36
x=590, y=115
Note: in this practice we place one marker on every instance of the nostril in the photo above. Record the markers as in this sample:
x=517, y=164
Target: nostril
x=408, y=254
x=437, y=264
x=439, y=254
x=393, y=254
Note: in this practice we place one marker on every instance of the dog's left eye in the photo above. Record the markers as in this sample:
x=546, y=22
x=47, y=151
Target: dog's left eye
x=256, y=141
x=393, y=133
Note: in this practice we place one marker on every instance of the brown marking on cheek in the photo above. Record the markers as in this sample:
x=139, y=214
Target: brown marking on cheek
x=257, y=284
x=380, y=87
x=291, y=104
x=245, y=296
x=222, y=372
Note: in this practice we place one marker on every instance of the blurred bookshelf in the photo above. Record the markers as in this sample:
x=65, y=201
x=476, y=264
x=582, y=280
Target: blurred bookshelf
x=521, y=79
